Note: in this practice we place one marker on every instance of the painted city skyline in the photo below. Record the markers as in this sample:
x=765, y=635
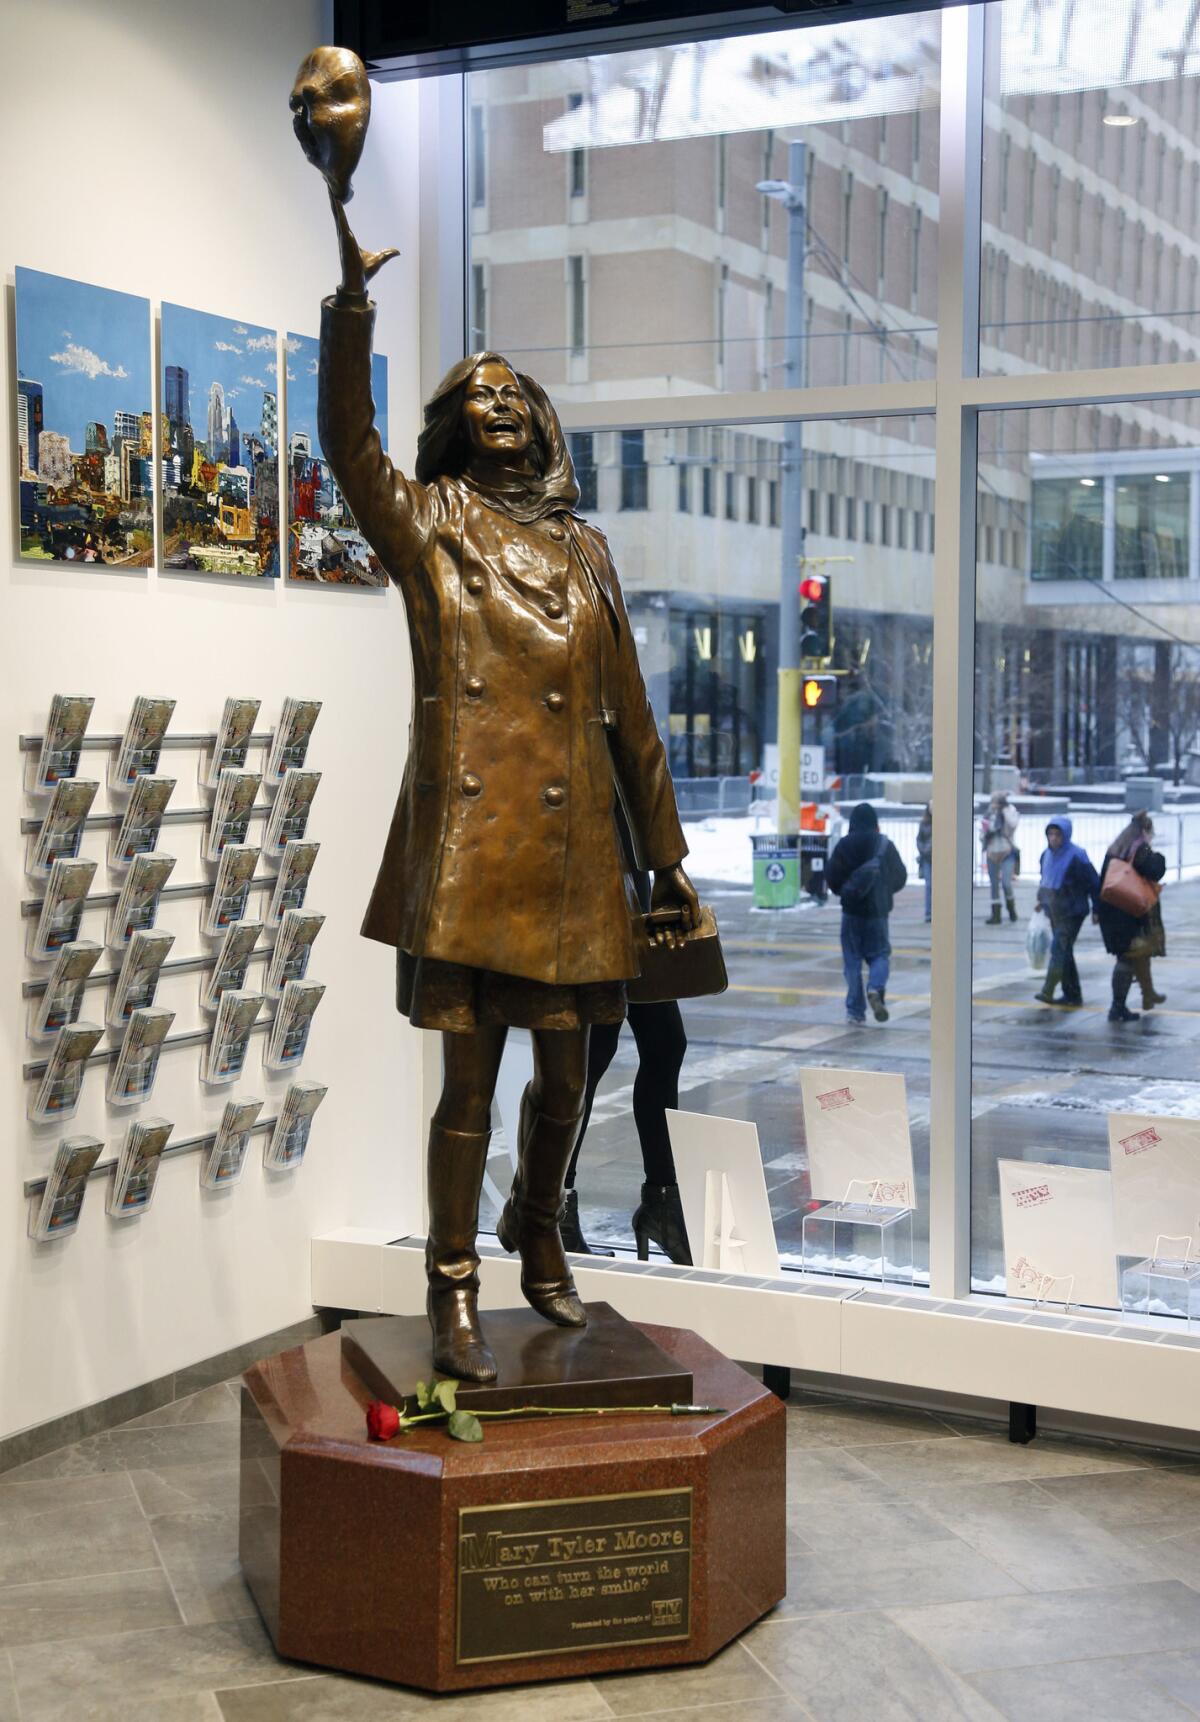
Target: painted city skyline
x=325, y=545
x=84, y=422
x=220, y=468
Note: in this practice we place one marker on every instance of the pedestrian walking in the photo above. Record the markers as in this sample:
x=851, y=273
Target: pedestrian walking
x=1133, y=939
x=1069, y=887
x=925, y=856
x=865, y=872
x=997, y=835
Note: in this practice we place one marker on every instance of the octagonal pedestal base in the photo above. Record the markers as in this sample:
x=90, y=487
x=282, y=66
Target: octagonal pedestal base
x=571, y=1546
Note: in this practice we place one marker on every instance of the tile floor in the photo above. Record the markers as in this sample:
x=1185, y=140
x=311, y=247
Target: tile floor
x=936, y=1574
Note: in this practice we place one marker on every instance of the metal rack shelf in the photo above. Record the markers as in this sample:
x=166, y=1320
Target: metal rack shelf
x=32, y=906
x=181, y=966
x=172, y=816
x=192, y=1037
x=105, y=743
x=189, y=1145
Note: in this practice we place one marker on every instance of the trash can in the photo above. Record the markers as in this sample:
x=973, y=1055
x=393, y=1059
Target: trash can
x=814, y=852
x=776, y=869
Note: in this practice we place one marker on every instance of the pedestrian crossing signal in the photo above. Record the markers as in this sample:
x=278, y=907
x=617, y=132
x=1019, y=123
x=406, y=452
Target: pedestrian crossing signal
x=817, y=691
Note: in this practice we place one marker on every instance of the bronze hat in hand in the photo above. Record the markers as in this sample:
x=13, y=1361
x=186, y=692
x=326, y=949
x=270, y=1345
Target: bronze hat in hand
x=331, y=101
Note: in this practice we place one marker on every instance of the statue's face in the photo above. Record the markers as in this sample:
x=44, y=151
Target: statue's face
x=496, y=414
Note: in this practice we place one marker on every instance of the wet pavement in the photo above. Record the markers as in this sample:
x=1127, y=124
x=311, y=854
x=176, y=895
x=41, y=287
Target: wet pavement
x=1044, y=1078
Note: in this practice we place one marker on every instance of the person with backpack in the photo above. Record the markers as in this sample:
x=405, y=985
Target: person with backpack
x=1131, y=937
x=865, y=872
x=997, y=837
x=1070, y=886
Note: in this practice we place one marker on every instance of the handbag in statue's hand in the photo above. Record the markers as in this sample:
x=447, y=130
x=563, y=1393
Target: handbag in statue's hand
x=690, y=966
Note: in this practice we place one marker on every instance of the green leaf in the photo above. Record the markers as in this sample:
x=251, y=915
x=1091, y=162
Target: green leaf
x=444, y=1395
x=423, y=1396
x=464, y=1427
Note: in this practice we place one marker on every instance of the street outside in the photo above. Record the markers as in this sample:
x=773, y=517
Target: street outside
x=1044, y=1077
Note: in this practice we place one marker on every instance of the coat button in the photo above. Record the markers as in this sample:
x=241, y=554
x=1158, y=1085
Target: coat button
x=554, y=796
x=475, y=584
x=555, y=702
x=470, y=784
x=557, y=533
x=554, y=609
x=474, y=687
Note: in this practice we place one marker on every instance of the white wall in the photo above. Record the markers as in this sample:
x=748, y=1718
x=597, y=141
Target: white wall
x=149, y=149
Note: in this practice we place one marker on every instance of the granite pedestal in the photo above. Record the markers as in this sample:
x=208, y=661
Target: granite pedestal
x=553, y=1548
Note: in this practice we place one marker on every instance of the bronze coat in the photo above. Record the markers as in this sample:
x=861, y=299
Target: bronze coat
x=503, y=852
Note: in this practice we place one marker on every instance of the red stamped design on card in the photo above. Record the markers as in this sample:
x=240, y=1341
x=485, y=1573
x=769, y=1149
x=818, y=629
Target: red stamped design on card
x=1024, y=1272
x=1032, y=1195
x=1140, y=1140
x=893, y=1194
x=833, y=1098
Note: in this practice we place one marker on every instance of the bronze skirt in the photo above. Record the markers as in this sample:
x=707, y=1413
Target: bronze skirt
x=457, y=998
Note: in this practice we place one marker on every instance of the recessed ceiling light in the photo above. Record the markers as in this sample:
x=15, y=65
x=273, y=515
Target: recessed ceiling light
x=1090, y=482
x=1120, y=120
x=1162, y=478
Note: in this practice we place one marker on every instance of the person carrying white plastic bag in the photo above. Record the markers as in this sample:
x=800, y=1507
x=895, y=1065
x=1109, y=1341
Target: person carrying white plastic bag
x=1037, y=940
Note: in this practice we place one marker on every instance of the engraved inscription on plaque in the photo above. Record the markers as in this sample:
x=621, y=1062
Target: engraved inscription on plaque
x=596, y=1571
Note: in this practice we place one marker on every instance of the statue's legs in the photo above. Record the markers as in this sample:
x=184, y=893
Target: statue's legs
x=551, y=1113
x=458, y=1145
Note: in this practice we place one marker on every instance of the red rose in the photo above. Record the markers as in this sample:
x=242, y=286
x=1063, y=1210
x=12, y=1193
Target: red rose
x=383, y=1421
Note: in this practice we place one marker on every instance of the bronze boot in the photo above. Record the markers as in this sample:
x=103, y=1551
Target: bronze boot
x=531, y=1216
x=456, y=1163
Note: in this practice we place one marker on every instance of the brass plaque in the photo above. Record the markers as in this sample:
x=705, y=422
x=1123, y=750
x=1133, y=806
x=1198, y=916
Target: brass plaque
x=590, y=1573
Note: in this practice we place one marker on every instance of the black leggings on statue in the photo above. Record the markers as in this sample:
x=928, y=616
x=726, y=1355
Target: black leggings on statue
x=661, y=1044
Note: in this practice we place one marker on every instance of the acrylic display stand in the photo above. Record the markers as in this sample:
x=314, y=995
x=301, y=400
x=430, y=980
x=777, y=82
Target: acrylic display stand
x=820, y=1230
x=1164, y=1283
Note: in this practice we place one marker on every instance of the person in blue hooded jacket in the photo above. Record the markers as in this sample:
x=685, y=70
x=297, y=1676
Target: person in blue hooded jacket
x=1069, y=889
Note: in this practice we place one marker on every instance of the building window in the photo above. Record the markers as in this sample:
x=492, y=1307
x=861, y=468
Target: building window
x=731, y=496
x=918, y=536
x=831, y=516
x=577, y=168
x=583, y=458
x=851, y=524
x=478, y=341
x=707, y=499
x=478, y=131
x=752, y=500
x=901, y=529
x=634, y=475
x=868, y=525
x=683, y=490
x=885, y=524
x=773, y=502
x=914, y=285
x=577, y=304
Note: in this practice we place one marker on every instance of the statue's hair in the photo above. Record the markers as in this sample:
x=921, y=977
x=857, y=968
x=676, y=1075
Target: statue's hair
x=443, y=449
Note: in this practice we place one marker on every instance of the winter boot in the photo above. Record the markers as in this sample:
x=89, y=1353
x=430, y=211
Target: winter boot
x=571, y=1234
x=659, y=1215
x=1010, y=900
x=1121, y=982
x=531, y=1217
x=994, y=918
x=456, y=1163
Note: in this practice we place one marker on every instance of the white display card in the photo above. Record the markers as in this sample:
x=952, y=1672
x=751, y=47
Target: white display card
x=856, y=1128
x=718, y=1162
x=1058, y=1233
x=1155, y=1183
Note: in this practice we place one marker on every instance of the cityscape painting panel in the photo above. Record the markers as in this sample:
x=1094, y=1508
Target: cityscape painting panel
x=220, y=445
x=324, y=543
x=85, y=427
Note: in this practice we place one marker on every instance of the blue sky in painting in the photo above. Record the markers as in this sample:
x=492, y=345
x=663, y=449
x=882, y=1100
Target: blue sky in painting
x=89, y=347
x=302, y=351
x=226, y=350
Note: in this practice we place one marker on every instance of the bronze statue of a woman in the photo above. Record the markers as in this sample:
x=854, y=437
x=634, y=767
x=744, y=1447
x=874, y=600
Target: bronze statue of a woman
x=503, y=881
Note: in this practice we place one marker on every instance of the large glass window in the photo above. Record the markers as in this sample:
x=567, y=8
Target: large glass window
x=700, y=182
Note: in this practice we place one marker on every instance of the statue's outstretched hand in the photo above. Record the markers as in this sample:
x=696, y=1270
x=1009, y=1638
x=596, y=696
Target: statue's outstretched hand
x=358, y=266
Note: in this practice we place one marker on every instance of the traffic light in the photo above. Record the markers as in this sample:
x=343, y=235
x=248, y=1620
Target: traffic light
x=816, y=618
x=816, y=692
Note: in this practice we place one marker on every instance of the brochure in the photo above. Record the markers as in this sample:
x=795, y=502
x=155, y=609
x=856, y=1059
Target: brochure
x=58, y=1212
x=140, y=823
x=232, y=961
x=62, y=907
x=222, y=1164
x=291, y=882
x=137, y=907
x=226, y=1052
x=230, y=818
x=60, y=1003
x=231, y=890
x=293, y=1020
x=65, y=729
x=131, y=1074
x=293, y=947
x=289, y=1139
x=62, y=826
x=137, y=980
x=289, y=815
x=141, y=744
x=137, y=1168
x=233, y=740
x=290, y=738
x=56, y=1094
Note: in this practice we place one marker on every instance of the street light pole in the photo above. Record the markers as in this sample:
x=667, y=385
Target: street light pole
x=791, y=193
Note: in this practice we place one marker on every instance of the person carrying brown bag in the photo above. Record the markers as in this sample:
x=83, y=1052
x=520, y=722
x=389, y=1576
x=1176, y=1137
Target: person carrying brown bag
x=1133, y=939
